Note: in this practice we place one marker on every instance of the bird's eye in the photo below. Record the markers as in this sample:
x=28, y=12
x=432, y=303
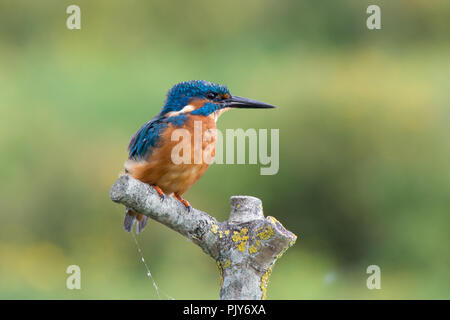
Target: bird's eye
x=211, y=95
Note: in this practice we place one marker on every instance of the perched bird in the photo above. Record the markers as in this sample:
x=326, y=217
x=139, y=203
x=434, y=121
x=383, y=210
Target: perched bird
x=150, y=150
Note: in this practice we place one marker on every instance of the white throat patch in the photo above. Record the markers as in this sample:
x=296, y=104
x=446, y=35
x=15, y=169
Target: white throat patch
x=216, y=114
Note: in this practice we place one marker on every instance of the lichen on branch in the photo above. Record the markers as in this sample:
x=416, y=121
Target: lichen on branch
x=245, y=247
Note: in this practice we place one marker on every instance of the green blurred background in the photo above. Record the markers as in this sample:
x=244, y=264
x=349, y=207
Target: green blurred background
x=364, y=151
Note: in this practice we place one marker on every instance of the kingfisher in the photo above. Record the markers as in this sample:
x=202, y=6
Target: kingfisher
x=189, y=106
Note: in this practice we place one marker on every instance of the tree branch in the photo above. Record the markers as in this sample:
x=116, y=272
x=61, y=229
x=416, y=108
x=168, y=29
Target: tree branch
x=245, y=247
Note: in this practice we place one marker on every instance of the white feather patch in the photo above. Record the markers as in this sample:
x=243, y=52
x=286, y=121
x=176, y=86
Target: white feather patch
x=185, y=109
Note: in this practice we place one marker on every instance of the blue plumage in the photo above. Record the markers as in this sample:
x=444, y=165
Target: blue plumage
x=182, y=93
x=146, y=138
x=206, y=110
x=148, y=135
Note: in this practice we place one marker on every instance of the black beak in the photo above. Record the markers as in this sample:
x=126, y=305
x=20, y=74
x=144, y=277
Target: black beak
x=240, y=102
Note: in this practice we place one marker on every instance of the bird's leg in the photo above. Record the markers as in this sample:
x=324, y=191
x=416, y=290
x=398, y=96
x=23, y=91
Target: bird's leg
x=185, y=202
x=160, y=192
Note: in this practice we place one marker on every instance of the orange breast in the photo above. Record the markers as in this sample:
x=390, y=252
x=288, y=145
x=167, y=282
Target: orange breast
x=159, y=168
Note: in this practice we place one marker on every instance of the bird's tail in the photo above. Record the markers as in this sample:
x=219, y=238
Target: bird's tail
x=131, y=217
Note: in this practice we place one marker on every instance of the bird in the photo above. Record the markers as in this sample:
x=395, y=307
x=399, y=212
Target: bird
x=150, y=158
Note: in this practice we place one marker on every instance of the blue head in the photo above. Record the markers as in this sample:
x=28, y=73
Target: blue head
x=200, y=97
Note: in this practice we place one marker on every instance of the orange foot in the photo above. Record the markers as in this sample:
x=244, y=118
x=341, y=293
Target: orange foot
x=160, y=192
x=185, y=202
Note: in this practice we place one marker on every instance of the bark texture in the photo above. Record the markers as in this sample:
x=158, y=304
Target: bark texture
x=245, y=247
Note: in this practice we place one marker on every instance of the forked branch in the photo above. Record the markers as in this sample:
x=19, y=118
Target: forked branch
x=245, y=247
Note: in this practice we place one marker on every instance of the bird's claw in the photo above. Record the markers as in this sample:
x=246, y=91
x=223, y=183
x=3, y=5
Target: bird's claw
x=184, y=202
x=162, y=196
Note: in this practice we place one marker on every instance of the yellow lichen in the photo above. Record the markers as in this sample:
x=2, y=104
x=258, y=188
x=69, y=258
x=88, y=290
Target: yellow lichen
x=241, y=246
x=220, y=272
x=227, y=232
x=220, y=234
x=278, y=256
x=273, y=220
x=293, y=241
x=241, y=238
x=266, y=234
x=227, y=263
x=214, y=228
x=264, y=282
x=252, y=249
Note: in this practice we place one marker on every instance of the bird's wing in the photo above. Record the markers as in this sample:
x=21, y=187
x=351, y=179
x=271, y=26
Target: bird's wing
x=145, y=139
